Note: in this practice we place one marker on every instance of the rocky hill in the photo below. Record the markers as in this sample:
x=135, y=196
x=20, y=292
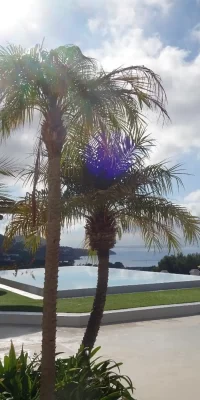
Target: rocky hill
x=18, y=255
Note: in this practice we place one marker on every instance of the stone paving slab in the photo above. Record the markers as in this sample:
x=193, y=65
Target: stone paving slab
x=162, y=357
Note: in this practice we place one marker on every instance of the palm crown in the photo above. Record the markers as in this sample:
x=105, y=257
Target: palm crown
x=71, y=90
x=111, y=179
x=116, y=180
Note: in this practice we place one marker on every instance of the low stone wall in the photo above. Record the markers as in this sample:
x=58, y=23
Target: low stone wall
x=130, y=289
x=110, y=317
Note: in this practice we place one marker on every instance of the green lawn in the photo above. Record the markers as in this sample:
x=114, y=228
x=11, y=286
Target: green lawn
x=13, y=302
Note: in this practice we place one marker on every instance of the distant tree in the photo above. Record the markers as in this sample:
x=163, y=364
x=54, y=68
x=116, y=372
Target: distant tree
x=179, y=264
x=118, y=264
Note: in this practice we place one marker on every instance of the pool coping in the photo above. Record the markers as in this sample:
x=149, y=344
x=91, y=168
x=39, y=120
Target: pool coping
x=71, y=293
x=78, y=320
x=20, y=292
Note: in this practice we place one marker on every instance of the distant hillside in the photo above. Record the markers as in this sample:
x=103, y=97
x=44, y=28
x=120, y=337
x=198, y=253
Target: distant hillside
x=17, y=255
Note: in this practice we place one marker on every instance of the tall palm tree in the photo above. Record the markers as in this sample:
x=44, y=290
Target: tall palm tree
x=111, y=185
x=69, y=92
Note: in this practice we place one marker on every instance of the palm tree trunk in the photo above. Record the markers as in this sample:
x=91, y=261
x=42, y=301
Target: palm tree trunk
x=96, y=315
x=51, y=279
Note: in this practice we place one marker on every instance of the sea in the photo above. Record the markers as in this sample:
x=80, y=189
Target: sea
x=137, y=256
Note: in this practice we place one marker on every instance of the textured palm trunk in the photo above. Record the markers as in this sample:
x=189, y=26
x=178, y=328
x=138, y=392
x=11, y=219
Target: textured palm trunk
x=96, y=315
x=51, y=279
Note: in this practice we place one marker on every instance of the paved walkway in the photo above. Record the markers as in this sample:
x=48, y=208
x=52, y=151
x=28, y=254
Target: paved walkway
x=161, y=357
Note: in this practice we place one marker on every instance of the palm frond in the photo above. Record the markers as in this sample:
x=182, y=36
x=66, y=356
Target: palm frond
x=19, y=94
x=22, y=220
x=8, y=169
x=155, y=179
x=160, y=221
x=108, y=101
x=26, y=174
x=161, y=179
x=136, y=85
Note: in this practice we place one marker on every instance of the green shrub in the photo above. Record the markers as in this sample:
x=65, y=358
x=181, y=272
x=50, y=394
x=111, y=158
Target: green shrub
x=179, y=264
x=19, y=377
x=84, y=378
x=81, y=377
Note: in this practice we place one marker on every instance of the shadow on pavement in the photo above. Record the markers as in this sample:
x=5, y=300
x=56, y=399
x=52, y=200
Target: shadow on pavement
x=13, y=331
x=21, y=308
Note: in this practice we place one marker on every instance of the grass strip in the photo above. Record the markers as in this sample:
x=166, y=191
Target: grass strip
x=10, y=301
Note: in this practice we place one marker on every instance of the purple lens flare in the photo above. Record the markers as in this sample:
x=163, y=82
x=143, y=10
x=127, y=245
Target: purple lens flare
x=109, y=157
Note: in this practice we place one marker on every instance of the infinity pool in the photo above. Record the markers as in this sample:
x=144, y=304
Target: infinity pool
x=85, y=277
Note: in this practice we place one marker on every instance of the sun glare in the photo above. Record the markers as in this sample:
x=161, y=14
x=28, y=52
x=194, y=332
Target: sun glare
x=14, y=12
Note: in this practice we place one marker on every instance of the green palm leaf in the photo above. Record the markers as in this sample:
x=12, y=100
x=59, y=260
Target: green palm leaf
x=136, y=199
x=7, y=170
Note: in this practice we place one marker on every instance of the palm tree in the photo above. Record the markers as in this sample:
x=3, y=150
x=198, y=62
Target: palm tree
x=111, y=185
x=117, y=191
x=70, y=92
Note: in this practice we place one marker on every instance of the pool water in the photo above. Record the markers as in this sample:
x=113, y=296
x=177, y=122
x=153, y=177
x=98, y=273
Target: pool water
x=85, y=277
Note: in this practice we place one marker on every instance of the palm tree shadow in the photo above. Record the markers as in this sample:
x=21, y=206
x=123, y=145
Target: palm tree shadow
x=25, y=308
x=11, y=332
x=2, y=292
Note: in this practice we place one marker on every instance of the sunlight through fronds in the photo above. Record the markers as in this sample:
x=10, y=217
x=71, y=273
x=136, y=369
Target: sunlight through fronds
x=85, y=95
x=137, y=198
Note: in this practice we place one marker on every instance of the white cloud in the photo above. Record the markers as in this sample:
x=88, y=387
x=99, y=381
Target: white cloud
x=113, y=6
x=19, y=22
x=164, y=5
x=94, y=24
x=4, y=223
x=19, y=146
x=192, y=202
x=128, y=44
x=193, y=197
x=14, y=13
x=117, y=15
x=195, y=34
x=74, y=236
x=180, y=77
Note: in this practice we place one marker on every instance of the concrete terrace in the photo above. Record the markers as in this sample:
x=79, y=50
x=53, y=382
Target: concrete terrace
x=162, y=357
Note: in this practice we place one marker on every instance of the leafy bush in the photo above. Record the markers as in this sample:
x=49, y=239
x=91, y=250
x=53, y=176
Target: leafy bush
x=80, y=377
x=19, y=377
x=84, y=378
x=179, y=264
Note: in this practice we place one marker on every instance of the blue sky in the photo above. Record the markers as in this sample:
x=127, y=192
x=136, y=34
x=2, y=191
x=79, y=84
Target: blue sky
x=176, y=28
x=161, y=34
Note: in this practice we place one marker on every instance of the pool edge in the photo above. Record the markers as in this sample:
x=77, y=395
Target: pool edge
x=71, y=293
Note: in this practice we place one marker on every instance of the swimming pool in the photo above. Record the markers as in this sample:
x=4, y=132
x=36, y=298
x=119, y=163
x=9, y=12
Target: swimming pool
x=81, y=277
